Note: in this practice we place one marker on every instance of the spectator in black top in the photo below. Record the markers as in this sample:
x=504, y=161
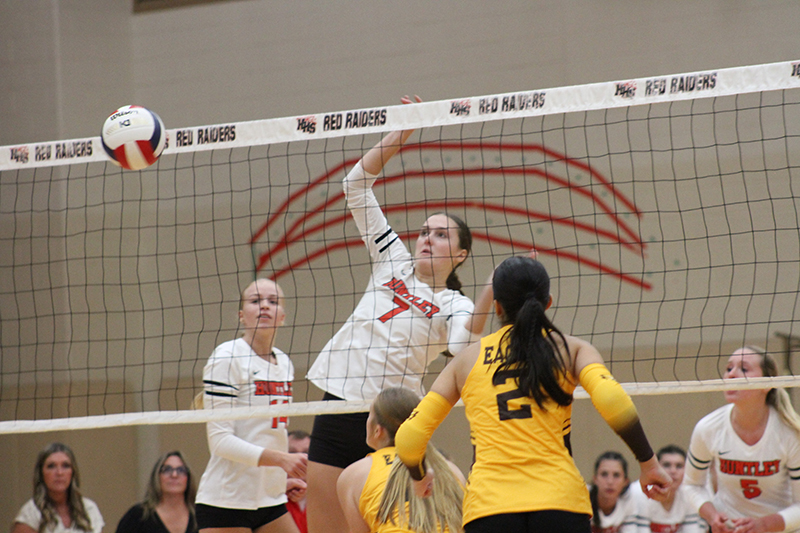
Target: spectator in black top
x=168, y=506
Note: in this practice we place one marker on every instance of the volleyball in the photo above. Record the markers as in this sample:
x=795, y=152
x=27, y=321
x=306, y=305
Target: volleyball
x=133, y=137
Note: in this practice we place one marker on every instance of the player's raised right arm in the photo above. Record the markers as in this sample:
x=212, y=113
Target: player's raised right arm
x=374, y=160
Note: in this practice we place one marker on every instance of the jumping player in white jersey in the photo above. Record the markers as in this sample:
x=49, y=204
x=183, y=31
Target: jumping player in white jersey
x=411, y=311
x=244, y=485
x=753, y=444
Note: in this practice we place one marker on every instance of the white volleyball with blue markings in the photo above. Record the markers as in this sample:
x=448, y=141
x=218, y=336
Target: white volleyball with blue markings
x=133, y=137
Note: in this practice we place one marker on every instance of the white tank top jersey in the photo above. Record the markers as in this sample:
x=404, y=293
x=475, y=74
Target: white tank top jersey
x=236, y=377
x=400, y=325
x=651, y=516
x=752, y=481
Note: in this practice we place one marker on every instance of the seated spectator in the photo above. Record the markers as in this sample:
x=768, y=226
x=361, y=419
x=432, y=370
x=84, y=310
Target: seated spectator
x=168, y=505
x=57, y=505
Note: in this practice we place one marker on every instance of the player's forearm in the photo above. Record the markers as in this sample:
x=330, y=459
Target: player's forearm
x=413, y=435
x=774, y=522
x=270, y=457
x=616, y=408
x=707, y=512
x=374, y=160
x=791, y=517
x=482, y=310
x=224, y=444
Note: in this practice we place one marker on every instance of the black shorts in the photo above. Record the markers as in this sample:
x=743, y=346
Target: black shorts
x=339, y=440
x=210, y=516
x=533, y=522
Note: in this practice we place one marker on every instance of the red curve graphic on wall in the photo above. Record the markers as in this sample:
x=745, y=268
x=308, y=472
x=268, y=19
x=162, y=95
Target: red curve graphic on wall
x=622, y=234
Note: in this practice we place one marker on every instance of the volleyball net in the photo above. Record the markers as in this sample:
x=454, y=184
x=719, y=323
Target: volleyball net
x=665, y=210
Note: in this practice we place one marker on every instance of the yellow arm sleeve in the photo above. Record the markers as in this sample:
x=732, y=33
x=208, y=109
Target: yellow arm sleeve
x=608, y=396
x=616, y=408
x=413, y=435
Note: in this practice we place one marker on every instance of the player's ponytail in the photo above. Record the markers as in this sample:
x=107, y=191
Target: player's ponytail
x=453, y=281
x=522, y=287
x=400, y=506
x=777, y=398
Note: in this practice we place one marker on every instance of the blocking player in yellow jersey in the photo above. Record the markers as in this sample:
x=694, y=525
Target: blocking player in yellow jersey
x=362, y=485
x=517, y=386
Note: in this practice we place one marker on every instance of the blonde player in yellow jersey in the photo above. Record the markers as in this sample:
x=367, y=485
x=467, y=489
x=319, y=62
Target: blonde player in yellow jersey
x=517, y=386
x=361, y=485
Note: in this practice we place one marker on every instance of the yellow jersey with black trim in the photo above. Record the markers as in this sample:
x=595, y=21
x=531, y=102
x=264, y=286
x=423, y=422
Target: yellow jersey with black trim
x=373, y=490
x=522, y=459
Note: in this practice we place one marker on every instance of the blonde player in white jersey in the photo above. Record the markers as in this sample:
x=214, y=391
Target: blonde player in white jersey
x=243, y=488
x=411, y=311
x=753, y=444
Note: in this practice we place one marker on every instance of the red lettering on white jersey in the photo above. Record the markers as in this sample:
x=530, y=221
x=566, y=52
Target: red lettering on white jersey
x=399, y=287
x=735, y=467
x=273, y=388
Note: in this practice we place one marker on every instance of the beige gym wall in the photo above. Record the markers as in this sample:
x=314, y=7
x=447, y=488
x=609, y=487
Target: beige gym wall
x=66, y=64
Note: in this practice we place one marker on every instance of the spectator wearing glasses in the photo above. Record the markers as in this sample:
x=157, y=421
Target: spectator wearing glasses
x=168, y=505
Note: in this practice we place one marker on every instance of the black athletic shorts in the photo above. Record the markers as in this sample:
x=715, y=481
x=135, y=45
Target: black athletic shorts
x=210, y=516
x=339, y=440
x=533, y=522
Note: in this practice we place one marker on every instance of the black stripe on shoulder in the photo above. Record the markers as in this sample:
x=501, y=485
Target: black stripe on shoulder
x=388, y=244
x=385, y=234
x=697, y=463
x=700, y=461
x=795, y=469
x=219, y=384
x=223, y=394
x=794, y=478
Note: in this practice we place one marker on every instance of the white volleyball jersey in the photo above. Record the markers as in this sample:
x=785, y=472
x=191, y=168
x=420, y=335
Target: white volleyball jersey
x=651, y=516
x=236, y=377
x=400, y=325
x=752, y=481
x=621, y=519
